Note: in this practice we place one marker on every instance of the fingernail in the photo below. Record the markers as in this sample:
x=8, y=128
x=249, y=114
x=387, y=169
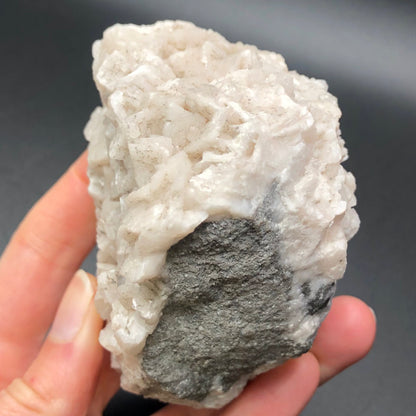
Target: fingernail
x=72, y=309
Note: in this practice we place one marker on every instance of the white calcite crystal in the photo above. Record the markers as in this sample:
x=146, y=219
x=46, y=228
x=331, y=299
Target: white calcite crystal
x=223, y=211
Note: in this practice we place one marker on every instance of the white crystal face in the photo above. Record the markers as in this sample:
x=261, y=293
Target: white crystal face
x=192, y=129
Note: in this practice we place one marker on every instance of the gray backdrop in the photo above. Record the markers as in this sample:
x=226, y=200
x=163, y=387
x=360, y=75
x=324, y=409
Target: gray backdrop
x=364, y=49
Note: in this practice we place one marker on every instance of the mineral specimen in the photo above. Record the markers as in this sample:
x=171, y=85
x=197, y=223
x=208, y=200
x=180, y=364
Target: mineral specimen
x=223, y=209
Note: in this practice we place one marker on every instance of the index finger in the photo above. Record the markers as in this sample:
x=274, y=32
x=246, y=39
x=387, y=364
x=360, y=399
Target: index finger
x=47, y=248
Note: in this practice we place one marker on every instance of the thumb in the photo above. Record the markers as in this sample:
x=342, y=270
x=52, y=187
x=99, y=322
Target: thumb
x=62, y=379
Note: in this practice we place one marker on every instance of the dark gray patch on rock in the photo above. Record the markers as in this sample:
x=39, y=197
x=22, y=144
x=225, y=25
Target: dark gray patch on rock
x=306, y=289
x=321, y=299
x=229, y=308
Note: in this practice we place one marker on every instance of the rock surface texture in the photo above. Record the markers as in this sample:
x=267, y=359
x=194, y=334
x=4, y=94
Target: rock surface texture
x=223, y=211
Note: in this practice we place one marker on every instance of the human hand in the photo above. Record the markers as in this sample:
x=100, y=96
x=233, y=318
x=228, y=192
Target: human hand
x=68, y=373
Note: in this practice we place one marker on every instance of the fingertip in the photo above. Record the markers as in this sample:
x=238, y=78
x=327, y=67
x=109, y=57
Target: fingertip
x=356, y=323
x=345, y=336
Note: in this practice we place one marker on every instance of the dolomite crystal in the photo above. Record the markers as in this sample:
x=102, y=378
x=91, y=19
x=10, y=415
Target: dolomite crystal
x=223, y=209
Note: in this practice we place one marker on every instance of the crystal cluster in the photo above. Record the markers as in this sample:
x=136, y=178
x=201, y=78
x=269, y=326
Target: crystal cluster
x=223, y=211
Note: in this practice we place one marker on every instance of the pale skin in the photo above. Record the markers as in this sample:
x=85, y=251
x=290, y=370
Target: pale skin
x=68, y=373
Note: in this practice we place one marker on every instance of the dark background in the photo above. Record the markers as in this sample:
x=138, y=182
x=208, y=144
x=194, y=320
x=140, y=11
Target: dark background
x=366, y=50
